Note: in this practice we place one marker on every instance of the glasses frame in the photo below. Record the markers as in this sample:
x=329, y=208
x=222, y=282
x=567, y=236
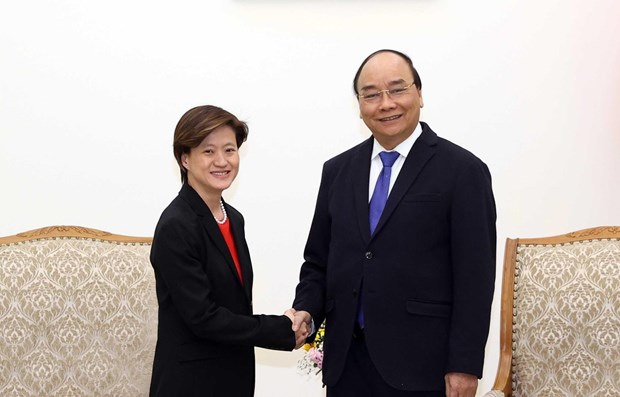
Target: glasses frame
x=389, y=92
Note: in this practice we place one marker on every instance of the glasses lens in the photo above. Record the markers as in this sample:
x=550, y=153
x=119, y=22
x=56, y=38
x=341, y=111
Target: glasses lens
x=372, y=96
x=398, y=91
x=375, y=96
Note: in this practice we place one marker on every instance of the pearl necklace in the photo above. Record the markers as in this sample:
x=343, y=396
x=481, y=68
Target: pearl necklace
x=223, y=212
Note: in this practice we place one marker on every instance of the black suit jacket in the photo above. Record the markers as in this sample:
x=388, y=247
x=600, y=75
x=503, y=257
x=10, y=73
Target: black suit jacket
x=206, y=330
x=428, y=271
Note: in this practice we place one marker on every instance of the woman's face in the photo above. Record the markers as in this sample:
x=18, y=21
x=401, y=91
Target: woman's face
x=213, y=165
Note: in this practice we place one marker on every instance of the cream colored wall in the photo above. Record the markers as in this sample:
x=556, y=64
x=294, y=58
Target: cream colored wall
x=90, y=93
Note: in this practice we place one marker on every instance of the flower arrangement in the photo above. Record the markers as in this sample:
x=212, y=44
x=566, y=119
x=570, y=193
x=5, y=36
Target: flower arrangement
x=312, y=361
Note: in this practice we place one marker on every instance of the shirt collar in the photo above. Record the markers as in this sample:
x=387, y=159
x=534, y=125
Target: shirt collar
x=403, y=148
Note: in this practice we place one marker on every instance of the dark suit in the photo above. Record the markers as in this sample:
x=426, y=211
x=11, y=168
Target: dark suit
x=428, y=271
x=206, y=328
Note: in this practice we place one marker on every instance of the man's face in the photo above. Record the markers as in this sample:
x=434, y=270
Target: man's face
x=391, y=119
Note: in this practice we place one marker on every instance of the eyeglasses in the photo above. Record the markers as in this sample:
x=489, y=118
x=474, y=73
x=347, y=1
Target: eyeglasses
x=376, y=96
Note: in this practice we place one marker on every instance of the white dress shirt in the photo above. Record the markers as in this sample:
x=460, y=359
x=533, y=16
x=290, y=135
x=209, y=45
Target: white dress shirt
x=376, y=165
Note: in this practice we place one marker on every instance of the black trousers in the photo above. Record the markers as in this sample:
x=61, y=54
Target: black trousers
x=360, y=377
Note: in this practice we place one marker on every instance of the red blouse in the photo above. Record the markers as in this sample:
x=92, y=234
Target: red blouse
x=230, y=242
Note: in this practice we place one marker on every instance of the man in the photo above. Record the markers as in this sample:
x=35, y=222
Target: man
x=405, y=283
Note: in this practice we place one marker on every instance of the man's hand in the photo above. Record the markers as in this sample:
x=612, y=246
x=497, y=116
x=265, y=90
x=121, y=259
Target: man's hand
x=461, y=385
x=301, y=321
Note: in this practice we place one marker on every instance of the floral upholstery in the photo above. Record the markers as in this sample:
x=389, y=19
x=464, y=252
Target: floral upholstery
x=566, y=318
x=78, y=314
x=494, y=393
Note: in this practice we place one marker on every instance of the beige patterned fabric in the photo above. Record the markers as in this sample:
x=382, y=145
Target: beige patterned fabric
x=494, y=393
x=566, y=335
x=78, y=317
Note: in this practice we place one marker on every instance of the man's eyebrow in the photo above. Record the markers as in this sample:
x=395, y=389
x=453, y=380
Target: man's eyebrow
x=373, y=87
x=368, y=87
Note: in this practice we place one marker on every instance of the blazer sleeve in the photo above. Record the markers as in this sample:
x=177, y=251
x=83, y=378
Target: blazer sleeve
x=473, y=246
x=177, y=256
x=310, y=292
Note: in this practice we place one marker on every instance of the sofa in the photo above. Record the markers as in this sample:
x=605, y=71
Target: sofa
x=78, y=313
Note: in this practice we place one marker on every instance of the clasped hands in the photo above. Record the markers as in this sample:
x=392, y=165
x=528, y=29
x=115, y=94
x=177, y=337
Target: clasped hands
x=302, y=324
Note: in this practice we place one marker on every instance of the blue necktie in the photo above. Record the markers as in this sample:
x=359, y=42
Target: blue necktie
x=377, y=203
x=380, y=195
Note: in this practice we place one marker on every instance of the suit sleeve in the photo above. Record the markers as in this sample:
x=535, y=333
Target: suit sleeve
x=310, y=292
x=473, y=244
x=176, y=256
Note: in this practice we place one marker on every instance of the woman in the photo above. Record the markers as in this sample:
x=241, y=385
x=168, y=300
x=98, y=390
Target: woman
x=206, y=332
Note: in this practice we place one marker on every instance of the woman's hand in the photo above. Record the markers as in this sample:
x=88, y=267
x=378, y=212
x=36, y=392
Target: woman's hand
x=301, y=321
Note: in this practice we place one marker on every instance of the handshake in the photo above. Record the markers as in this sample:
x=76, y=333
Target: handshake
x=302, y=325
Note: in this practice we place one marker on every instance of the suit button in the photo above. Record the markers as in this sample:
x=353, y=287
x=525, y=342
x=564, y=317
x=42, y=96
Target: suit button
x=368, y=255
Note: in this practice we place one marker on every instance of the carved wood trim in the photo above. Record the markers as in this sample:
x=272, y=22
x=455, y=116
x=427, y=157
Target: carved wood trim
x=600, y=232
x=503, y=378
x=72, y=231
x=62, y=230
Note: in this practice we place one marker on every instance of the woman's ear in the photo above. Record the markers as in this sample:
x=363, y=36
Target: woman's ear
x=184, y=161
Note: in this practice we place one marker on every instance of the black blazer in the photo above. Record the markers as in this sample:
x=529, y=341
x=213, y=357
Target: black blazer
x=428, y=271
x=206, y=330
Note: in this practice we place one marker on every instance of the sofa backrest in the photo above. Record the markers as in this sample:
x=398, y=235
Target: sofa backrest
x=78, y=313
x=566, y=327
x=560, y=319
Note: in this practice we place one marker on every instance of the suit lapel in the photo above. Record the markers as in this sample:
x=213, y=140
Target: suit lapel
x=361, y=175
x=208, y=222
x=421, y=152
x=213, y=230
